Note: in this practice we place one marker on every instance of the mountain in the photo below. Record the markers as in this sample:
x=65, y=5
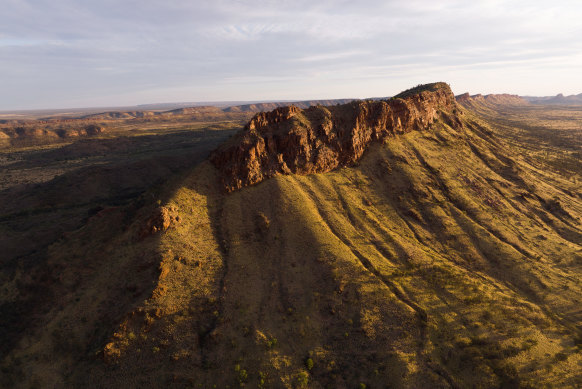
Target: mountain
x=321, y=139
x=60, y=127
x=494, y=99
x=558, y=99
x=262, y=107
x=415, y=242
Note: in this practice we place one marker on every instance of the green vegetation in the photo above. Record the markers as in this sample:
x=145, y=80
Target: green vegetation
x=242, y=375
x=262, y=379
x=302, y=380
x=271, y=343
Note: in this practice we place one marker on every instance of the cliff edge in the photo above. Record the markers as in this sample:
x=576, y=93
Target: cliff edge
x=289, y=140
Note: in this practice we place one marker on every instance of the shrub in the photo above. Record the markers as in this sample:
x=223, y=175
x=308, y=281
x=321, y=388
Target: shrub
x=302, y=379
x=262, y=379
x=271, y=343
x=242, y=376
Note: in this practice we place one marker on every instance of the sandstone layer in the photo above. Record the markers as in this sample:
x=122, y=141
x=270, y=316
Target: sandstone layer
x=289, y=140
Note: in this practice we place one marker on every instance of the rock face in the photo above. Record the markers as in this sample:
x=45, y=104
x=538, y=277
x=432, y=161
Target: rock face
x=319, y=139
x=160, y=220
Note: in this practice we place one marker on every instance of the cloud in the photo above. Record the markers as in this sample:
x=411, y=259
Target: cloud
x=70, y=52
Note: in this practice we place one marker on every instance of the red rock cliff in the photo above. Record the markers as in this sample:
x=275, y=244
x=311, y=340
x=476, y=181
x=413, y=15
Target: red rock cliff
x=319, y=139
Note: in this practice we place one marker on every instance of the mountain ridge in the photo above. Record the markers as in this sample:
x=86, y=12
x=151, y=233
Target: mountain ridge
x=504, y=99
x=293, y=141
x=558, y=99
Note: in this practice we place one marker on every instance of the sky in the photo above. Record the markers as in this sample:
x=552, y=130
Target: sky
x=89, y=53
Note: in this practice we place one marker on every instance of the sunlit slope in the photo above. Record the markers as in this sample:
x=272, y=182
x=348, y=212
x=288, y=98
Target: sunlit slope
x=443, y=259
x=438, y=261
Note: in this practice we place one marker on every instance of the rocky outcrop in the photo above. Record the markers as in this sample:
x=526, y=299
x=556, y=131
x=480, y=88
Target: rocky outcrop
x=160, y=220
x=319, y=139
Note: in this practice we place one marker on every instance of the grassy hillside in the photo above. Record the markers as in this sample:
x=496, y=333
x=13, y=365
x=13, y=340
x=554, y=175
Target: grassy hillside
x=445, y=258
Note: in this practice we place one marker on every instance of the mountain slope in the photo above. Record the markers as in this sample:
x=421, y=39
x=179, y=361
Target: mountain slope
x=438, y=258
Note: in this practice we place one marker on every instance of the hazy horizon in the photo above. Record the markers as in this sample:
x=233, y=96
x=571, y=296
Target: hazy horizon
x=172, y=105
x=60, y=54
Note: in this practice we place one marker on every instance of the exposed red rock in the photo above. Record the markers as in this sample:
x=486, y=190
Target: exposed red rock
x=160, y=220
x=319, y=139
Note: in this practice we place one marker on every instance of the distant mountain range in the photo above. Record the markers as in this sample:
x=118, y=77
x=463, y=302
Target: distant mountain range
x=558, y=99
x=162, y=108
